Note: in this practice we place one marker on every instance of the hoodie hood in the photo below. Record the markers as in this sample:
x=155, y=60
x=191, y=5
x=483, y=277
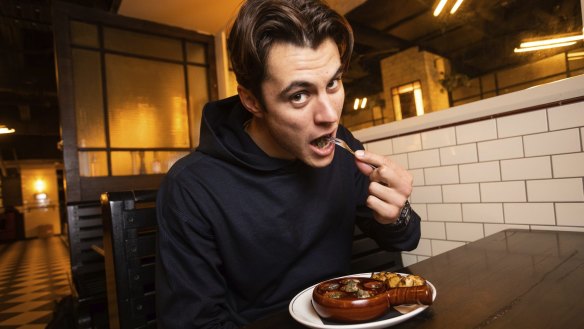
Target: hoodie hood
x=223, y=136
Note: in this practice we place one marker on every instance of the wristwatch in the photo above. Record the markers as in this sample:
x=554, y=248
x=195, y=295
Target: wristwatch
x=404, y=217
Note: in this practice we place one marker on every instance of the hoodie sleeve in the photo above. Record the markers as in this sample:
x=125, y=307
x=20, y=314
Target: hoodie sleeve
x=190, y=290
x=386, y=236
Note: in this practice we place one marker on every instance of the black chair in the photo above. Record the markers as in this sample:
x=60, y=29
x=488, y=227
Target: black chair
x=85, y=238
x=368, y=257
x=129, y=243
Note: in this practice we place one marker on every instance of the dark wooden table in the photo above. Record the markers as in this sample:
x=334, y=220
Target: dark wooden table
x=512, y=279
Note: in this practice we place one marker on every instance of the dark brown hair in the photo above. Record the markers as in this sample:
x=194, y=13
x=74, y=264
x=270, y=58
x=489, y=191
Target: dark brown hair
x=261, y=23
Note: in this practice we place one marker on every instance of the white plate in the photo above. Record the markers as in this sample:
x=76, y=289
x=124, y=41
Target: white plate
x=302, y=311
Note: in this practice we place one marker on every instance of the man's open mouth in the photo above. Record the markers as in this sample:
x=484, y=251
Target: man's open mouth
x=322, y=142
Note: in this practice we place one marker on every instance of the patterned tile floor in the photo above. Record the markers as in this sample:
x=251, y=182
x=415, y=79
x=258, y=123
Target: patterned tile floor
x=34, y=275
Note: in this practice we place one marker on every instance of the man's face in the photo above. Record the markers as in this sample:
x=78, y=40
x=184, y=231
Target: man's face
x=303, y=96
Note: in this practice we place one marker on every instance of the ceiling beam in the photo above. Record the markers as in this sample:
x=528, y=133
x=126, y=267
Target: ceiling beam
x=376, y=39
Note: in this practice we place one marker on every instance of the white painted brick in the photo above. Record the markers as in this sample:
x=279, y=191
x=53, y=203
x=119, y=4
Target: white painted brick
x=424, y=248
x=570, y=214
x=582, y=135
x=433, y=230
x=476, y=131
x=442, y=246
x=408, y=260
x=458, y=154
x=482, y=212
x=464, y=231
x=383, y=147
x=508, y=148
x=461, y=193
x=522, y=124
x=565, y=189
x=567, y=116
x=426, y=194
x=448, y=212
x=441, y=175
x=503, y=192
x=418, y=175
x=491, y=229
x=407, y=143
x=400, y=159
x=529, y=213
x=526, y=168
x=421, y=210
x=568, y=165
x=438, y=138
x=557, y=142
x=423, y=159
x=480, y=172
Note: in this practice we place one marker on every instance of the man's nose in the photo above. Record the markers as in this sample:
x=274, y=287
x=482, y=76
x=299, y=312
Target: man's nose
x=326, y=110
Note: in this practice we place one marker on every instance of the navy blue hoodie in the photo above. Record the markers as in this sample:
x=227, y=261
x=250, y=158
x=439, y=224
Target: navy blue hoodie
x=241, y=233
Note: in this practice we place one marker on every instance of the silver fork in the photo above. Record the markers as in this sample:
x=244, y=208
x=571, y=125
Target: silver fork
x=346, y=146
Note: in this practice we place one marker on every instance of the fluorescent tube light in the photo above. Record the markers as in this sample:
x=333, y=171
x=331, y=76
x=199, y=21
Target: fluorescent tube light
x=455, y=7
x=522, y=50
x=552, y=41
x=439, y=8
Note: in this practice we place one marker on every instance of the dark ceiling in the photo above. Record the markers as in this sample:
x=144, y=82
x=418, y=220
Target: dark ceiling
x=477, y=39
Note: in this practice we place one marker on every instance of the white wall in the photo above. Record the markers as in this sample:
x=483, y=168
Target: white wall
x=495, y=170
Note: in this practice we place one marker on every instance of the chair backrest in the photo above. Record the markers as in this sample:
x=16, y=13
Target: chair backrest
x=130, y=247
x=368, y=257
x=85, y=230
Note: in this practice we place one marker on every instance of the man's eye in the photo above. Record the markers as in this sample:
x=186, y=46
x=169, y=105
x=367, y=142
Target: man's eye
x=334, y=83
x=298, y=97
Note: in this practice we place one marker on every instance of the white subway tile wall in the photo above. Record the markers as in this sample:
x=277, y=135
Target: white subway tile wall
x=522, y=124
x=476, y=131
x=522, y=171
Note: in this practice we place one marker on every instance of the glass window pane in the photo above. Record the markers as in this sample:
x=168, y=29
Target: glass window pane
x=542, y=68
x=488, y=82
x=146, y=103
x=143, y=162
x=577, y=72
x=92, y=164
x=576, y=59
x=88, y=98
x=467, y=89
x=199, y=96
x=142, y=44
x=196, y=53
x=84, y=34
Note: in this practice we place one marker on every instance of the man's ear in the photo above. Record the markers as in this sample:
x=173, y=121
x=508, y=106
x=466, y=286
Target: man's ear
x=249, y=101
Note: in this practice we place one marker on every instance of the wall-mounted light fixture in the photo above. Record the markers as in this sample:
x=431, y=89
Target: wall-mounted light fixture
x=6, y=130
x=549, y=42
x=40, y=187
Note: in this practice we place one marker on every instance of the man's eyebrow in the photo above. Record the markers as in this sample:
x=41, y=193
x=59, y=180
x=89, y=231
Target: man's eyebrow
x=292, y=85
x=304, y=84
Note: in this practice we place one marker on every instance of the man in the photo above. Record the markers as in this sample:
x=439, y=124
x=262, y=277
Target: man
x=266, y=206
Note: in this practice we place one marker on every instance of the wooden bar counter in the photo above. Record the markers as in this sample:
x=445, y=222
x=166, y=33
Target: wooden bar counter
x=511, y=279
